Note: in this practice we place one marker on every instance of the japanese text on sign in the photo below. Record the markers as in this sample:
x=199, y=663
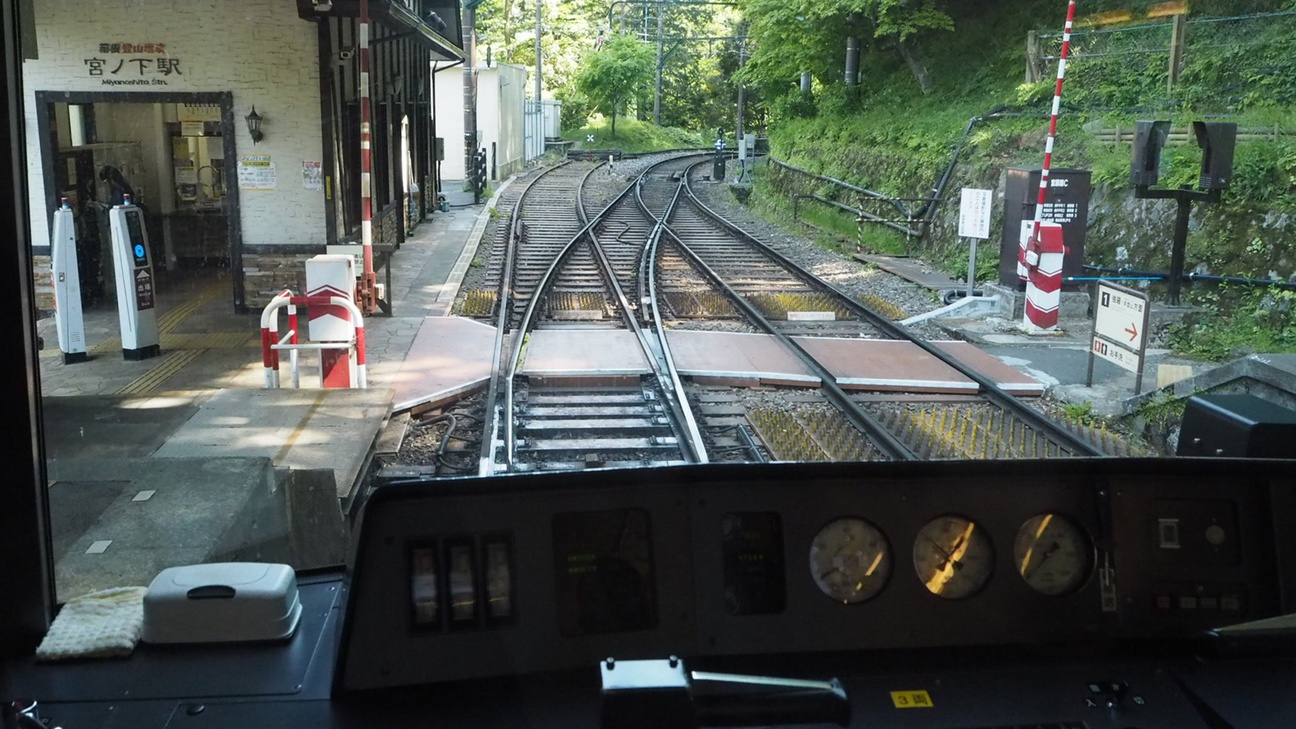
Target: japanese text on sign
x=257, y=172
x=1117, y=355
x=911, y=699
x=1119, y=316
x=152, y=69
x=974, y=213
x=143, y=289
x=1060, y=212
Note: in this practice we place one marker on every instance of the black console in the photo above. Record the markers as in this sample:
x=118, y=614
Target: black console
x=1047, y=594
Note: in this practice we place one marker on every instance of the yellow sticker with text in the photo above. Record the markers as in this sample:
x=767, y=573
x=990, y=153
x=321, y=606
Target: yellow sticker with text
x=911, y=699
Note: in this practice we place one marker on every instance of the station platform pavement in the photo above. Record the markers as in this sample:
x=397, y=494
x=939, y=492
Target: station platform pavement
x=186, y=457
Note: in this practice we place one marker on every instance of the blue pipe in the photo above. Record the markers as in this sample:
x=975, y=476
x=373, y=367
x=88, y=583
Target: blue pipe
x=1114, y=278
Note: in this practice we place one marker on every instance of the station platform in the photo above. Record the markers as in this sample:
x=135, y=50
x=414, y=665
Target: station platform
x=186, y=457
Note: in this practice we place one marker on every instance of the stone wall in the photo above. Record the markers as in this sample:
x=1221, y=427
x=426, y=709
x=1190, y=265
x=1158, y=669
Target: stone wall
x=266, y=274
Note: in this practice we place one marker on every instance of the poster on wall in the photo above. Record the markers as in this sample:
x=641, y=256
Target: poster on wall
x=312, y=175
x=257, y=172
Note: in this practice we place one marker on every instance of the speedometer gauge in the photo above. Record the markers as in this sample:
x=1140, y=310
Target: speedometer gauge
x=953, y=557
x=1052, y=554
x=850, y=560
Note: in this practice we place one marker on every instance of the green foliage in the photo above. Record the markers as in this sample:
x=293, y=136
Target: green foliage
x=881, y=239
x=1081, y=413
x=576, y=108
x=633, y=136
x=987, y=263
x=618, y=73
x=1238, y=322
x=791, y=36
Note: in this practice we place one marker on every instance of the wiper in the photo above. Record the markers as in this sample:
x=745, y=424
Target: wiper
x=662, y=694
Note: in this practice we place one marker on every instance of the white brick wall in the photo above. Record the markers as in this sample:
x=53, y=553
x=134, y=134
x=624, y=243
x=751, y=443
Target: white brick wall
x=258, y=49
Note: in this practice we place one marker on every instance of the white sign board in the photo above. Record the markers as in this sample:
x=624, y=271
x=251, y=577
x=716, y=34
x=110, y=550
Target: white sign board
x=1119, y=315
x=257, y=172
x=1117, y=355
x=312, y=175
x=974, y=213
x=811, y=316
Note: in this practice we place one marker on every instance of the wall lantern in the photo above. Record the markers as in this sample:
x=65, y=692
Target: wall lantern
x=254, y=125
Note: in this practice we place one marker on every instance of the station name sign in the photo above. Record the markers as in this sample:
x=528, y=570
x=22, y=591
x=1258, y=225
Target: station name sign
x=132, y=64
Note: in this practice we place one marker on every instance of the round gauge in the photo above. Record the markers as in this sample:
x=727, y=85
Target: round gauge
x=1052, y=554
x=953, y=557
x=850, y=560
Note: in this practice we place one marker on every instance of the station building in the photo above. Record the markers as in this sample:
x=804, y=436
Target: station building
x=161, y=90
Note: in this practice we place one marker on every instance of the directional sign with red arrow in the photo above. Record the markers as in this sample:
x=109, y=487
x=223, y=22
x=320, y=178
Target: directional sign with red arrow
x=1119, y=314
x=1120, y=321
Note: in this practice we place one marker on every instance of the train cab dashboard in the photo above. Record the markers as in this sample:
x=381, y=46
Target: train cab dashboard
x=1094, y=594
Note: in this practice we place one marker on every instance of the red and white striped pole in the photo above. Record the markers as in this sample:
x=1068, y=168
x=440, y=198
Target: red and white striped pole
x=1043, y=254
x=367, y=294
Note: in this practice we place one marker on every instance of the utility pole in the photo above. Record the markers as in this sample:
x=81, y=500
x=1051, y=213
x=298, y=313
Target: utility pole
x=539, y=5
x=742, y=56
x=661, y=41
x=469, y=87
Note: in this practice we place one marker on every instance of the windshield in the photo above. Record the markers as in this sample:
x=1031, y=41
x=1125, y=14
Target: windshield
x=283, y=265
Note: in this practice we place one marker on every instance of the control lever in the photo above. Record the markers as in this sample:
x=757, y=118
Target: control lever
x=662, y=694
x=1271, y=637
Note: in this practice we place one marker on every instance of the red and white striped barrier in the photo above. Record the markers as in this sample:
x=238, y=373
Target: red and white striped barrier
x=272, y=344
x=367, y=293
x=1043, y=320
x=1044, y=278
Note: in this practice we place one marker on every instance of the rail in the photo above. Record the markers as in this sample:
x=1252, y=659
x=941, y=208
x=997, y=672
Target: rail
x=882, y=438
x=504, y=308
x=988, y=389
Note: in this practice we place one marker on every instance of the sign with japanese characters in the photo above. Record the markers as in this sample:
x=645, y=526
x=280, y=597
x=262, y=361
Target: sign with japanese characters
x=132, y=64
x=1118, y=315
x=974, y=213
x=257, y=172
x=143, y=289
x=1115, y=354
x=1119, y=334
x=312, y=175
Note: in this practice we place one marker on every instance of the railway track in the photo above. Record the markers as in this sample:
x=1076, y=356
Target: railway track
x=654, y=257
x=725, y=255
x=557, y=272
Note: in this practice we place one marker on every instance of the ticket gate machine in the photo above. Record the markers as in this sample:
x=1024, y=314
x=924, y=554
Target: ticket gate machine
x=133, y=269
x=68, y=316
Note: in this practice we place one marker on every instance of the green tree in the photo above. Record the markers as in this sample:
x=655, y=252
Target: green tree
x=621, y=71
x=791, y=36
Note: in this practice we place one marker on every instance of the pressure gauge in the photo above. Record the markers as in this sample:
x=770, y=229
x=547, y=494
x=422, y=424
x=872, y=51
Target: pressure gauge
x=1052, y=554
x=953, y=557
x=850, y=560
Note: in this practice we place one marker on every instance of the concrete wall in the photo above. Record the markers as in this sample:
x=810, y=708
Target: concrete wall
x=260, y=51
x=511, y=84
x=501, y=94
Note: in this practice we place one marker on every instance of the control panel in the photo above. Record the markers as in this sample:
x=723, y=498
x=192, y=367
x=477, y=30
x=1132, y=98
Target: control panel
x=548, y=572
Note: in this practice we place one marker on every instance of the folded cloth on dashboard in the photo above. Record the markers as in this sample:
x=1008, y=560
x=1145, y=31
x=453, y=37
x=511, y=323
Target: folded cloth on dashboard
x=96, y=625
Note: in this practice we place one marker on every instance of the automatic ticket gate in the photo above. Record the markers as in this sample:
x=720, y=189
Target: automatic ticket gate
x=68, y=315
x=133, y=272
